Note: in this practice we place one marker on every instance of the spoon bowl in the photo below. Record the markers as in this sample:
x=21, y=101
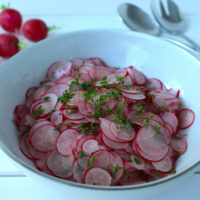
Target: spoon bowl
x=138, y=20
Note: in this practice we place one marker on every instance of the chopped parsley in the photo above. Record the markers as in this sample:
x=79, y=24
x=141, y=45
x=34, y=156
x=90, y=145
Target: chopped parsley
x=65, y=97
x=89, y=129
x=38, y=111
x=137, y=161
x=91, y=161
x=57, y=128
x=81, y=154
x=173, y=171
x=46, y=98
x=156, y=128
x=116, y=169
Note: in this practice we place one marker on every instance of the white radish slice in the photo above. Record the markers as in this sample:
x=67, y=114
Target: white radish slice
x=186, y=118
x=101, y=158
x=48, y=105
x=67, y=141
x=112, y=144
x=65, y=80
x=121, y=132
x=59, y=165
x=98, y=176
x=30, y=92
x=29, y=120
x=164, y=166
x=38, y=93
x=179, y=143
x=154, y=83
x=98, y=61
x=82, y=107
x=77, y=116
x=116, y=167
x=139, y=77
x=81, y=140
x=166, y=95
x=82, y=161
x=77, y=172
x=58, y=89
x=130, y=91
x=171, y=119
x=44, y=138
x=135, y=162
x=24, y=144
x=90, y=146
x=104, y=125
x=77, y=63
x=56, y=117
x=136, y=97
x=58, y=69
x=151, y=146
x=36, y=154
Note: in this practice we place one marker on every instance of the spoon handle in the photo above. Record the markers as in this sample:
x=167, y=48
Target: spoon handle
x=195, y=46
x=183, y=46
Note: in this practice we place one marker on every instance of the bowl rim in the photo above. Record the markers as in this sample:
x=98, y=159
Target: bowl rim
x=81, y=185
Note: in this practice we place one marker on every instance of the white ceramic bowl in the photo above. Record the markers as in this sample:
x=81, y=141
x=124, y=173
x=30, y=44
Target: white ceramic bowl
x=155, y=57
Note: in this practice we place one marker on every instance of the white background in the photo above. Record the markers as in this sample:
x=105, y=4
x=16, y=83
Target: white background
x=75, y=15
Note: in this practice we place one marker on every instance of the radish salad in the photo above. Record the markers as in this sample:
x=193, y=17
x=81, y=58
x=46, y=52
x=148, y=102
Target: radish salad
x=94, y=124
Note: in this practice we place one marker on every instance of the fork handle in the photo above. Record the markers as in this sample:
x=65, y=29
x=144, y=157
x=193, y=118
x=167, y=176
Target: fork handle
x=194, y=46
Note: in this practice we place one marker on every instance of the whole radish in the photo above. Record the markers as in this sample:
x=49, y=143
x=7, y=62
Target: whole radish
x=10, y=19
x=36, y=30
x=8, y=45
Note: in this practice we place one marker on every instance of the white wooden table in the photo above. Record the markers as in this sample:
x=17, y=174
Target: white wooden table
x=75, y=15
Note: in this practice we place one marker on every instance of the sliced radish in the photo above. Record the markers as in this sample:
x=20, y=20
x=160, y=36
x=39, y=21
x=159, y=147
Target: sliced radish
x=77, y=116
x=58, y=89
x=98, y=176
x=77, y=63
x=30, y=92
x=154, y=83
x=44, y=138
x=24, y=144
x=151, y=146
x=164, y=166
x=171, y=119
x=90, y=146
x=56, y=117
x=60, y=166
x=186, y=118
x=121, y=132
x=135, y=97
x=179, y=143
x=67, y=141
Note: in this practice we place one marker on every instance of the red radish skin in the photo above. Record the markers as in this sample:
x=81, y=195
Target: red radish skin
x=68, y=135
x=10, y=20
x=8, y=45
x=35, y=30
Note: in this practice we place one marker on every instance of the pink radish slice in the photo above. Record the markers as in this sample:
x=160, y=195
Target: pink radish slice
x=66, y=141
x=77, y=63
x=44, y=138
x=81, y=140
x=186, y=118
x=58, y=89
x=179, y=143
x=104, y=125
x=82, y=161
x=98, y=176
x=58, y=69
x=38, y=93
x=139, y=77
x=73, y=116
x=101, y=158
x=98, y=61
x=121, y=132
x=29, y=120
x=171, y=119
x=130, y=91
x=77, y=172
x=116, y=163
x=36, y=154
x=56, y=117
x=90, y=146
x=164, y=166
x=154, y=83
x=112, y=144
x=60, y=166
x=24, y=143
x=151, y=146
x=30, y=92
x=136, y=97
x=65, y=80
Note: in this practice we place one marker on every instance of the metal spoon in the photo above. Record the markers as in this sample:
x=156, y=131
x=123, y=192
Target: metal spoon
x=171, y=19
x=138, y=20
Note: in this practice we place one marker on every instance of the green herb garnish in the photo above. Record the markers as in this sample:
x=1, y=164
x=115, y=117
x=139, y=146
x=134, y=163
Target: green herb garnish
x=156, y=128
x=91, y=161
x=46, y=98
x=116, y=169
x=38, y=111
x=137, y=161
x=81, y=154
